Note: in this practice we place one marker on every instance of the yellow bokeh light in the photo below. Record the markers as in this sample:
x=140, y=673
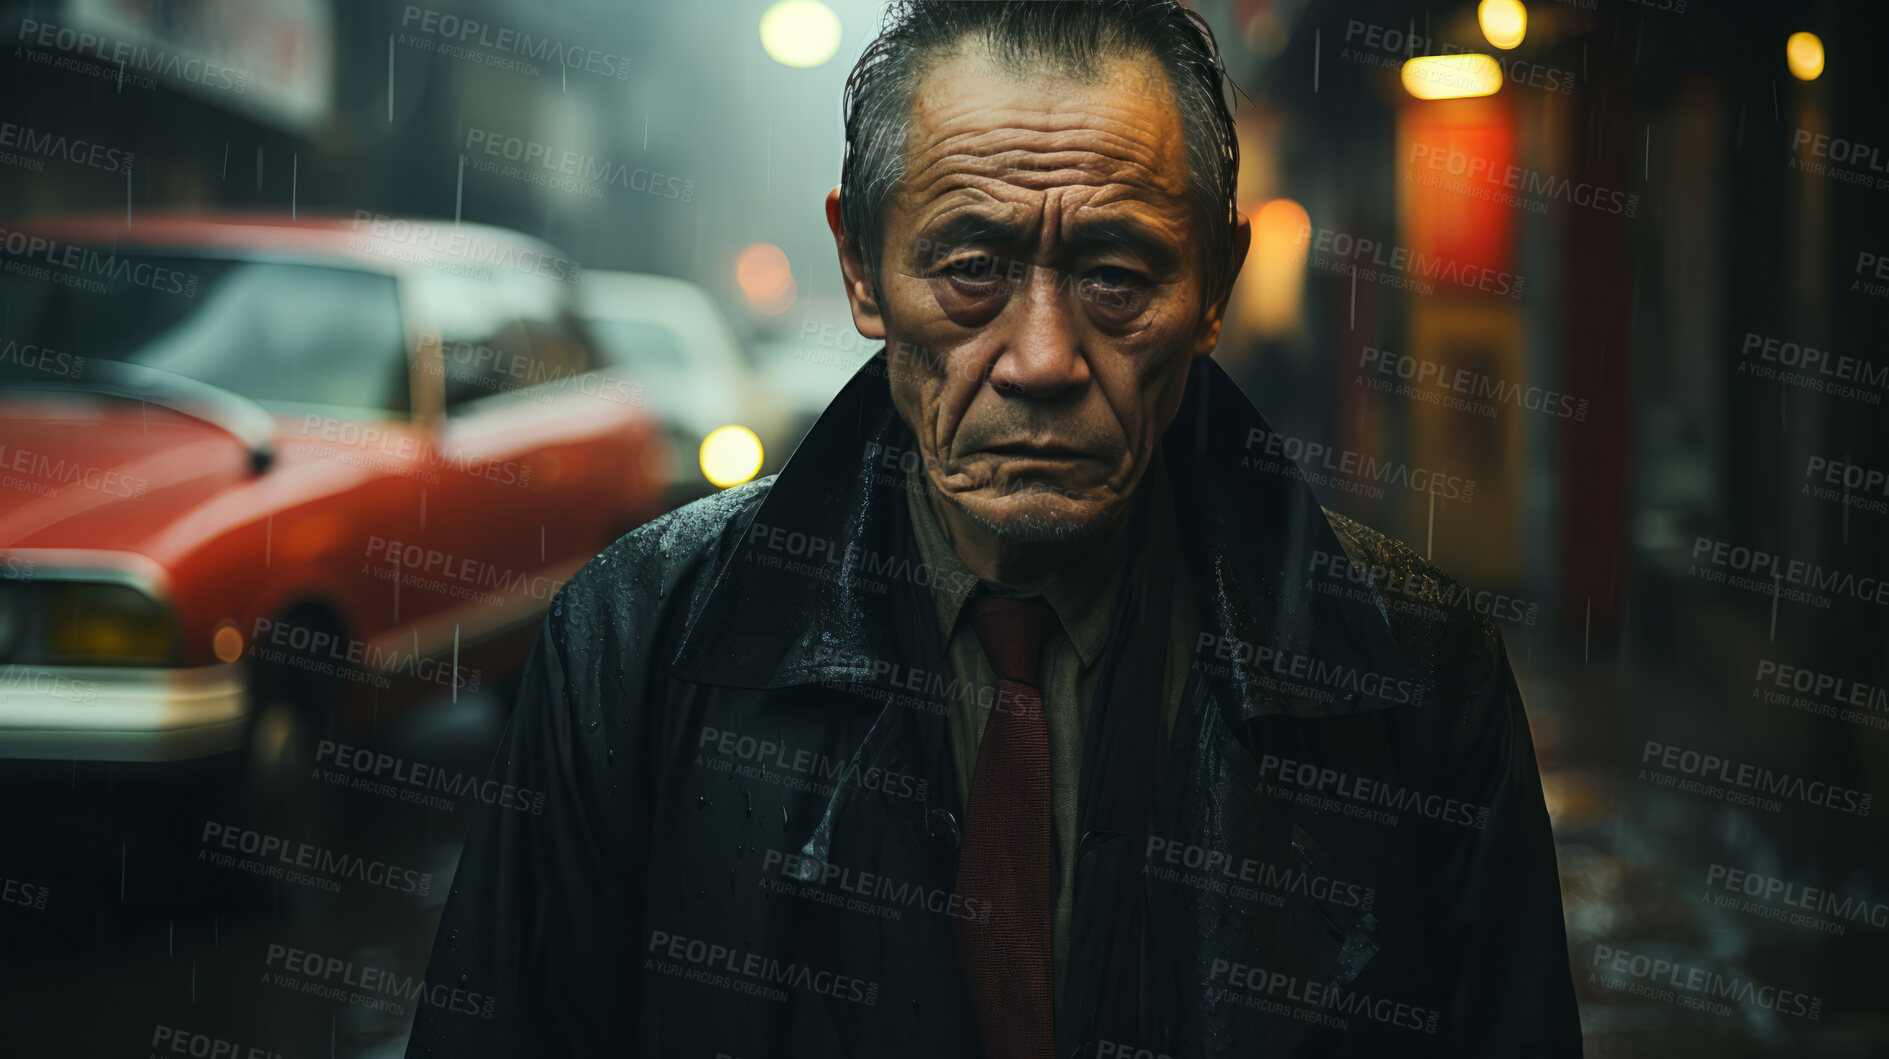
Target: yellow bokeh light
x=730, y=456
x=1803, y=53
x=800, y=33
x=1452, y=76
x=1504, y=22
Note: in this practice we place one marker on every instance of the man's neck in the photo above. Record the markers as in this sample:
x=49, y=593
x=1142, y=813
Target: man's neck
x=1037, y=567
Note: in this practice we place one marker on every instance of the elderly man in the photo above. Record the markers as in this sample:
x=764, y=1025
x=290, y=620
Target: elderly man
x=1035, y=709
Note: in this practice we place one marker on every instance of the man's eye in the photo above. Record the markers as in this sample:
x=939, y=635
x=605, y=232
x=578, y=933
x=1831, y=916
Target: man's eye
x=980, y=269
x=1117, y=290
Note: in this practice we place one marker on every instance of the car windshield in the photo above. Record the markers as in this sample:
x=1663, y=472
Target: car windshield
x=278, y=333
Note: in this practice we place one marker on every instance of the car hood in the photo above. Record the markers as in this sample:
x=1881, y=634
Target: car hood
x=81, y=471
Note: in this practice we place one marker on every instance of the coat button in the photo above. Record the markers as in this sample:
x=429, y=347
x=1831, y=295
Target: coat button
x=942, y=825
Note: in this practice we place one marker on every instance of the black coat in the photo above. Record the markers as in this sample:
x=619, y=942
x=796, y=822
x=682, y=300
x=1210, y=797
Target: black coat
x=749, y=834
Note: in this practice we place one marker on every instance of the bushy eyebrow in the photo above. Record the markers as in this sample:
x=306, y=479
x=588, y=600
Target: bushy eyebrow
x=963, y=228
x=1120, y=234
x=966, y=228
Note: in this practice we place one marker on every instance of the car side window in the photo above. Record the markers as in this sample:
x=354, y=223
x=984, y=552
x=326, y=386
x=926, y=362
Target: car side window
x=500, y=334
x=482, y=365
x=558, y=347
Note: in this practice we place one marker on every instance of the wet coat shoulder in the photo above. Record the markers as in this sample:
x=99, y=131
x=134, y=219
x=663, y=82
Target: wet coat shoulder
x=1437, y=622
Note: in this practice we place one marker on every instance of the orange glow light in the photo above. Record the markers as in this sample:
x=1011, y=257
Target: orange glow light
x=766, y=278
x=227, y=643
x=1272, y=284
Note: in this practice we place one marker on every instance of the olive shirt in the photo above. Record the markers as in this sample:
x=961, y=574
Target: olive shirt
x=1071, y=647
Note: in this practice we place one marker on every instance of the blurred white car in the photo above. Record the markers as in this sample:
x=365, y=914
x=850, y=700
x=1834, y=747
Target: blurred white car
x=668, y=336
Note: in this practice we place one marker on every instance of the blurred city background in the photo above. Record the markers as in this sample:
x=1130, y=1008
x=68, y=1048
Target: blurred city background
x=1585, y=300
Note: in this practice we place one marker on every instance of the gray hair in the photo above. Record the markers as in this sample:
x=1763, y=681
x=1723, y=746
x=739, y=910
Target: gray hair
x=1071, y=38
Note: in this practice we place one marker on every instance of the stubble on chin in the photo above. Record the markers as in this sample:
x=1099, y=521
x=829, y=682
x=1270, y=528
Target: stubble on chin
x=1037, y=524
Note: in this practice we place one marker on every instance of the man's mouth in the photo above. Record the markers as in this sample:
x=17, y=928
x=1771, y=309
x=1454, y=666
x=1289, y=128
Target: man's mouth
x=1026, y=451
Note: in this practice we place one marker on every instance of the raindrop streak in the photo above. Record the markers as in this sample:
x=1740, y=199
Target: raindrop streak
x=749, y=795
x=783, y=818
x=1429, y=537
x=1777, y=589
x=702, y=802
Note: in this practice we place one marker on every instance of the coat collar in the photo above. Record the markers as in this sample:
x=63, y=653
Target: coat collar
x=802, y=597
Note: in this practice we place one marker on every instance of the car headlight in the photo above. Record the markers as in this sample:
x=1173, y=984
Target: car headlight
x=98, y=623
x=730, y=456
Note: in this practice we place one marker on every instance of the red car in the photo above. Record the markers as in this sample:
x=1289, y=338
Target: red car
x=254, y=470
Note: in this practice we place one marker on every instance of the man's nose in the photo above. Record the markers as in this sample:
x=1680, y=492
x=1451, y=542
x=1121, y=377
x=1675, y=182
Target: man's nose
x=1041, y=355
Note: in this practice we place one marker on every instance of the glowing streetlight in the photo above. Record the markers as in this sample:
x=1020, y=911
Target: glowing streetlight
x=1803, y=53
x=1452, y=76
x=1504, y=22
x=800, y=32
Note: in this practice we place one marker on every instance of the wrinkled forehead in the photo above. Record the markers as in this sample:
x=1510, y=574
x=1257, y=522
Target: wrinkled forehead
x=1020, y=138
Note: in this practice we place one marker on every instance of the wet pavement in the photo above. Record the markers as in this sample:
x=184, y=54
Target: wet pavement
x=148, y=936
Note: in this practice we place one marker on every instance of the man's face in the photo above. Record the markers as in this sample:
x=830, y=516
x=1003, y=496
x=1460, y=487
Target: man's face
x=1043, y=291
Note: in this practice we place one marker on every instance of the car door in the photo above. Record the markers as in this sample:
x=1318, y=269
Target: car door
x=523, y=450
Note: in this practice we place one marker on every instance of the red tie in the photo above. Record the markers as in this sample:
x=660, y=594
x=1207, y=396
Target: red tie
x=1005, y=860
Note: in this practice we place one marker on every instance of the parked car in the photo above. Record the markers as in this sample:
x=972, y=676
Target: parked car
x=670, y=339
x=252, y=469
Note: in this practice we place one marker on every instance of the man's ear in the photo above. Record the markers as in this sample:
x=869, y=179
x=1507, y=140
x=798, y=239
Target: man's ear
x=1210, y=323
x=865, y=305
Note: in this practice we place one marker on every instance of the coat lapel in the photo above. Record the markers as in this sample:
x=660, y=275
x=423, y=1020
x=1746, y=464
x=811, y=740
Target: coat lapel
x=889, y=919
x=1232, y=896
